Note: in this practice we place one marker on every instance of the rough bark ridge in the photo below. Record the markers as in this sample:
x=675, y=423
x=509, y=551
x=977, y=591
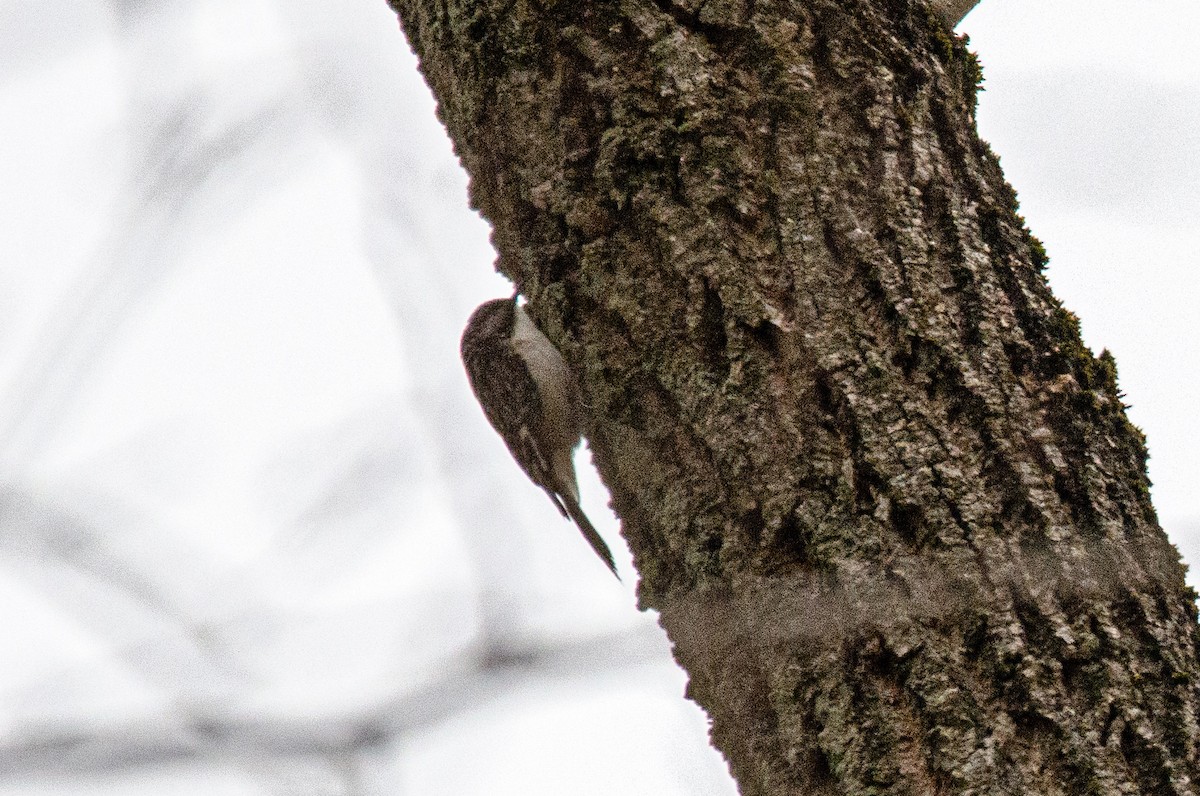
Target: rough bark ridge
x=889, y=507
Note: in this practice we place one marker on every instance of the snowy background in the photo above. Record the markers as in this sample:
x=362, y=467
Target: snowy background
x=256, y=537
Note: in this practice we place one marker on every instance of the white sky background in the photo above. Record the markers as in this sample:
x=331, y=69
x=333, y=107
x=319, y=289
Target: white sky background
x=258, y=539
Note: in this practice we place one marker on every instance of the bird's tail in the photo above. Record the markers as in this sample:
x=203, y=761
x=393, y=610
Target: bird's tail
x=575, y=512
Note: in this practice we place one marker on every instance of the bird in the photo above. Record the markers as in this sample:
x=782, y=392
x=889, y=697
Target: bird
x=532, y=401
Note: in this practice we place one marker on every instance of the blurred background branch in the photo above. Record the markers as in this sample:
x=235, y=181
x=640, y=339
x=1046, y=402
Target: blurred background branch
x=256, y=537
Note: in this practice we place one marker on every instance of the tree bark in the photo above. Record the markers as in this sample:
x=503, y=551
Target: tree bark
x=889, y=507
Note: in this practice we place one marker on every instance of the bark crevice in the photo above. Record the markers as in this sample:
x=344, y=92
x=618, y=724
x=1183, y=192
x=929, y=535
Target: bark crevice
x=889, y=506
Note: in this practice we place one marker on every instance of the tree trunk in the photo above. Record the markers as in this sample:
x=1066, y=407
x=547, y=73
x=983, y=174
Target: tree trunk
x=889, y=506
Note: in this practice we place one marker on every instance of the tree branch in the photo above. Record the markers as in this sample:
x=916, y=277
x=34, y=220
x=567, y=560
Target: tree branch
x=890, y=507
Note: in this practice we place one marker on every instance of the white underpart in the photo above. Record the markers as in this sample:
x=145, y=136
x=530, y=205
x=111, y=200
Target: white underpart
x=555, y=387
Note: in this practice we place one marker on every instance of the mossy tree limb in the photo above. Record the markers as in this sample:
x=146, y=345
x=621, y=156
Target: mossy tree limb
x=889, y=506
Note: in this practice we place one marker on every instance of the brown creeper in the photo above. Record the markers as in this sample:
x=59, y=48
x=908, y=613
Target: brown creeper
x=531, y=399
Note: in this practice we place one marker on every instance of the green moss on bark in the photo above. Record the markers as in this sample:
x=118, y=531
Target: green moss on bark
x=888, y=504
